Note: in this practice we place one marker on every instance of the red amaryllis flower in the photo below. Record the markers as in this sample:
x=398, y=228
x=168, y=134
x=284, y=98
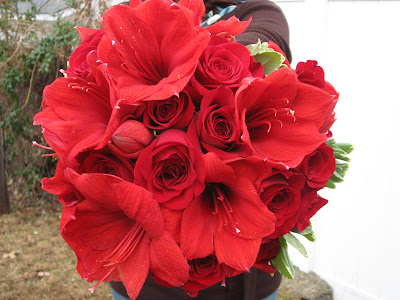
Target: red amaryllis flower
x=318, y=166
x=66, y=193
x=223, y=28
x=78, y=64
x=197, y=7
x=172, y=169
x=74, y=117
x=224, y=63
x=281, y=193
x=228, y=218
x=203, y=273
x=151, y=62
x=229, y=28
x=309, y=72
x=311, y=202
x=174, y=112
x=280, y=117
x=117, y=233
x=216, y=125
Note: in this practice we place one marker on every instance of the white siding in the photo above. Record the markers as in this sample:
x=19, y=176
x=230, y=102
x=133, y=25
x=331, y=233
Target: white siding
x=357, y=43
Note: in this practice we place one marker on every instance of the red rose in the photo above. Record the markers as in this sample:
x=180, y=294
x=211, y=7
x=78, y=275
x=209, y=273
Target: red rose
x=311, y=202
x=216, y=125
x=318, y=166
x=172, y=169
x=203, y=273
x=309, y=72
x=269, y=250
x=130, y=139
x=108, y=164
x=78, y=64
x=175, y=112
x=281, y=193
x=224, y=63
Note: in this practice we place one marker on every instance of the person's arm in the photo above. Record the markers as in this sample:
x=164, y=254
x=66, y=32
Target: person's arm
x=268, y=24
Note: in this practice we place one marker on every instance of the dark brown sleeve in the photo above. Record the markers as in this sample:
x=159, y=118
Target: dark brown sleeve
x=268, y=24
x=252, y=285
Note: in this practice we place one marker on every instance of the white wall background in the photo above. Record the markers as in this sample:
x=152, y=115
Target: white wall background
x=358, y=232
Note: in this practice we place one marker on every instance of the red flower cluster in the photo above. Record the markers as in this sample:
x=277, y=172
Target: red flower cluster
x=176, y=154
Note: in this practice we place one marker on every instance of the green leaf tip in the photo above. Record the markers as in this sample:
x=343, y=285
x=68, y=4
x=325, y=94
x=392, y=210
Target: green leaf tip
x=340, y=151
x=267, y=57
x=282, y=261
x=294, y=241
x=308, y=233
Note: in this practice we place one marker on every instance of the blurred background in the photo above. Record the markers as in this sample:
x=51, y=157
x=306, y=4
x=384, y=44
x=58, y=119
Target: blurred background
x=357, y=44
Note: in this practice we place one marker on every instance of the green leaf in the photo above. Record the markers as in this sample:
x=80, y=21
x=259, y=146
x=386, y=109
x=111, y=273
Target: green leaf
x=340, y=151
x=348, y=148
x=294, y=241
x=308, y=233
x=336, y=177
x=267, y=57
x=341, y=156
x=282, y=261
x=330, y=184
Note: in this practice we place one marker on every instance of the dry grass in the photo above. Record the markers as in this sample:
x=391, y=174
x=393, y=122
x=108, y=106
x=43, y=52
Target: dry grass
x=31, y=244
x=36, y=263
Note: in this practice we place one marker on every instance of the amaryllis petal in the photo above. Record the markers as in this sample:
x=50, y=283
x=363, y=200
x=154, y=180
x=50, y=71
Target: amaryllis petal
x=84, y=32
x=254, y=220
x=252, y=168
x=134, y=270
x=172, y=222
x=224, y=174
x=117, y=233
x=225, y=206
x=93, y=232
x=313, y=104
x=74, y=117
x=167, y=262
x=285, y=146
x=136, y=202
x=134, y=3
x=197, y=7
x=236, y=252
x=197, y=229
x=266, y=113
x=227, y=28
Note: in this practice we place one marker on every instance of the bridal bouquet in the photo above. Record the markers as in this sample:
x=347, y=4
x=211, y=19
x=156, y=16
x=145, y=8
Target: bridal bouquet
x=183, y=153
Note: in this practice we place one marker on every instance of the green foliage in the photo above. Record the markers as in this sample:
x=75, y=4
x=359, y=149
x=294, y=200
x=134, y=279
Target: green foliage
x=267, y=57
x=340, y=150
x=31, y=54
x=308, y=233
x=282, y=261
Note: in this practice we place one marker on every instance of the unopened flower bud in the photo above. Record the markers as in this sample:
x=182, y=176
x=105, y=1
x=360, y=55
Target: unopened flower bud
x=130, y=138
